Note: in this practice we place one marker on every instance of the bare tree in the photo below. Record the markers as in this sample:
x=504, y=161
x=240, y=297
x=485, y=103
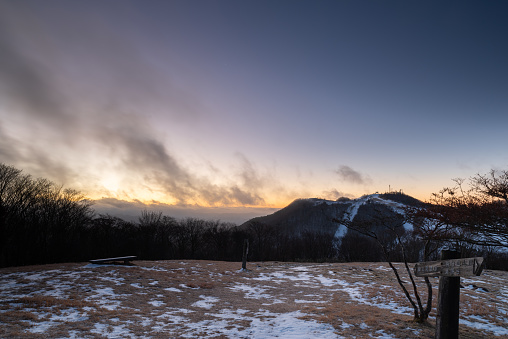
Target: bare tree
x=388, y=232
x=37, y=218
x=474, y=213
x=494, y=184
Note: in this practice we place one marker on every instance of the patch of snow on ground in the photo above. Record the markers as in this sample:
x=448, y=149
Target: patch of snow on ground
x=341, y=231
x=351, y=213
x=408, y=226
x=206, y=302
x=251, y=292
x=168, y=319
x=328, y=282
x=69, y=315
x=263, y=325
x=467, y=281
x=345, y=325
x=288, y=325
x=104, y=265
x=116, y=280
x=364, y=326
x=300, y=301
x=485, y=326
x=353, y=289
x=58, y=290
x=158, y=269
x=101, y=296
x=280, y=276
x=156, y=303
x=41, y=327
x=10, y=284
x=65, y=316
x=146, y=322
x=300, y=268
x=35, y=276
x=185, y=286
x=181, y=310
x=382, y=335
x=172, y=289
x=109, y=331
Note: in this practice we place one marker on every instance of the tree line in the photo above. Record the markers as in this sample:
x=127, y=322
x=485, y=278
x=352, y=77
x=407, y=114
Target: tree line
x=41, y=222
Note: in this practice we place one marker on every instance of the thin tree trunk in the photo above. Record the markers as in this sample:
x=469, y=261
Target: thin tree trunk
x=401, y=284
x=408, y=296
x=422, y=317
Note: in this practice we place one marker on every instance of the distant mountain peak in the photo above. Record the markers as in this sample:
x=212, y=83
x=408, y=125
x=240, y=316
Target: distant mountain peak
x=316, y=214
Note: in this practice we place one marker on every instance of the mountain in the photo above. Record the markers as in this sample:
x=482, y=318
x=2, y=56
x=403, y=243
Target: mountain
x=318, y=214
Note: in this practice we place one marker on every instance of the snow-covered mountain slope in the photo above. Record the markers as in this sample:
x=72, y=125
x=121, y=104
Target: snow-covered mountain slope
x=322, y=215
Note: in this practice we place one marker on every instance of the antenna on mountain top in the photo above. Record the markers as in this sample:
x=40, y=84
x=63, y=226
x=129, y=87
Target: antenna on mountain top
x=389, y=189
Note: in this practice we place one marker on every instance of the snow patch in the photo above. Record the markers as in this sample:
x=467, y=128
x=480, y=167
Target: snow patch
x=251, y=292
x=206, y=302
x=172, y=289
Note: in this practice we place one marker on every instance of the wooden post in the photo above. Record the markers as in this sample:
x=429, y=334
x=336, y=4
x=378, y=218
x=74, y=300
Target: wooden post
x=449, y=270
x=245, y=253
x=447, y=320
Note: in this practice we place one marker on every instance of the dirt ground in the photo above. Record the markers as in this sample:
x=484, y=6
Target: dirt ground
x=188, y=299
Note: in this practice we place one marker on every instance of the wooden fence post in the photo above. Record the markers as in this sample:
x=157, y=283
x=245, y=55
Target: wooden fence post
x=245, y=253
x=447, y=320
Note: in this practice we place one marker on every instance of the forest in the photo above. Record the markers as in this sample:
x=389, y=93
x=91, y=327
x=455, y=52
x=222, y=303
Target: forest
x=41, y=222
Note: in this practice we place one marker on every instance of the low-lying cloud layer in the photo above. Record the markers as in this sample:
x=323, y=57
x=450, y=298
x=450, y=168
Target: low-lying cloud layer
x=131, y=210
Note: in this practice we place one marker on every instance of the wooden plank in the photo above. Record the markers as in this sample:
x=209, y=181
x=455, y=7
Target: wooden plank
x=464, y=267
x=106, y=260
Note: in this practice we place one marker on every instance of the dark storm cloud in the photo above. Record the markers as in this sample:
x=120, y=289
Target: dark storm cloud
x=27, y=89
x=81, y=84
x=229, y=195
x=245, y=197
x=25, y=83
x=350, y=175
x=7, y=152
x=132, y=140
x=29, y=157
x=50, y=62
x=30, y=80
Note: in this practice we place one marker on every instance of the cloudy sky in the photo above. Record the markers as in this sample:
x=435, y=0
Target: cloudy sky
x=236, y=108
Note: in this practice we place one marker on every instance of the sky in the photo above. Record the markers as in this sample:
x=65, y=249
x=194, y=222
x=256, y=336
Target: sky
x=233, y=109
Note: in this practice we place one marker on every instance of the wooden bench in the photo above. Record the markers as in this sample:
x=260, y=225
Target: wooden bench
x=126, y=260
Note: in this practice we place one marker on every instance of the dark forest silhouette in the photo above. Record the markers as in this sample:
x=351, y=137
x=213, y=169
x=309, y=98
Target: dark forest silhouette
x=41, y=222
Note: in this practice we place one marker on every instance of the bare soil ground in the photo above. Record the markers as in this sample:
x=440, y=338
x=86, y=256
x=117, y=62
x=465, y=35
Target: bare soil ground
x=177, y=299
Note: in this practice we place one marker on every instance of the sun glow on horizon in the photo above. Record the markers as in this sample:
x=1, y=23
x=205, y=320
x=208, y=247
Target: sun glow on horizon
x=112, y=188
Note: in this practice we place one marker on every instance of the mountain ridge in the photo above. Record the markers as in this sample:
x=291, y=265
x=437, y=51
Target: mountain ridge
x=322, y=215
